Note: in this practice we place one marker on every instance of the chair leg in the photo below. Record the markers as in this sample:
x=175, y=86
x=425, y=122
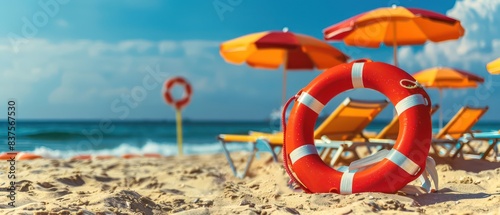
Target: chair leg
x=336, y=156
x=447, y=150
x=228, y=157
x=321, y=151
x=269, y=148
x=325, y=156
x=231, y=162
x=355, y=154
x=279, y=151
x=496, y=153
x=493, y=144
x=369, y=149
x=470, y=147
x=452, y=146
x=435, y=149
x=249, y=162
x=459, y=150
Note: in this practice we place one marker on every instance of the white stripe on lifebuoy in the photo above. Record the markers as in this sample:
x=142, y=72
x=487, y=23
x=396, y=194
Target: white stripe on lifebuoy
x=357, y=75
x=311, y=102
x=403, y=162
x=300, y=152
x=346, y=183
x=409, y=102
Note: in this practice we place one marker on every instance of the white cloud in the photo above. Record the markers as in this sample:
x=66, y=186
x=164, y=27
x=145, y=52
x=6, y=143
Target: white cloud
x=480, y=44
x=196, y=48
x=167, y=46
x=84, y=69
x=99, y=48
x=134, y=45
x=78, y=88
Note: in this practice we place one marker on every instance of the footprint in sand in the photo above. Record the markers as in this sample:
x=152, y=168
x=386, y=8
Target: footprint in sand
x=45, y=184
x=25, y=185
x=173, y=191
x=104, y=178
x=133, y=201
x=74, y=180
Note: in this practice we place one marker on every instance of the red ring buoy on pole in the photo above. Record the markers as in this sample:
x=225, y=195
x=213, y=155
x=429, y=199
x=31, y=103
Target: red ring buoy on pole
x=403, y=164
x=178, y=104
x=181, y=103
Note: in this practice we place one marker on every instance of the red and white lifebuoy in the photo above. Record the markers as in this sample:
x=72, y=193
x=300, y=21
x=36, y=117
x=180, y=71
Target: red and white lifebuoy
x=404, y=163
x=181, y=103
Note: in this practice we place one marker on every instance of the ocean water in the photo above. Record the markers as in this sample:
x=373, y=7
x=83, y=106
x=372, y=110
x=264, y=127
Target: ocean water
x=63, y=139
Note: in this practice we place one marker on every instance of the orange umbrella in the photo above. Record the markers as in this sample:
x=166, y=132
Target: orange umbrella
x=271, y=49
x=494, y=67
x=394, y=26
x=444, y=77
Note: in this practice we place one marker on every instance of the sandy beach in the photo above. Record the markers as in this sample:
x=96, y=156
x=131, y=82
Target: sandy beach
x=204, y=184
x=100, y=99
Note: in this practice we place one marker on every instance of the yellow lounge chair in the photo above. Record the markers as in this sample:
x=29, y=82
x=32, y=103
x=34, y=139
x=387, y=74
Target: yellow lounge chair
x=346, y=122
x=391, y=131
x=454, y=130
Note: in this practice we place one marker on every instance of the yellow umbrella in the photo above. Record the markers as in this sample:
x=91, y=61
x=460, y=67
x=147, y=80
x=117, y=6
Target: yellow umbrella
x=494, y=67
x=272, y=49
x=444, y=77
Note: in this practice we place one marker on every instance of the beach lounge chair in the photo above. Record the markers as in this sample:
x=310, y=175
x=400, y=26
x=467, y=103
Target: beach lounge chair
x=455, y=129
x=493, y=138
x=346, y=123
x=391, y=130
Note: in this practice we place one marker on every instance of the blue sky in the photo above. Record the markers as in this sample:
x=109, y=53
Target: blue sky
x=67, y=59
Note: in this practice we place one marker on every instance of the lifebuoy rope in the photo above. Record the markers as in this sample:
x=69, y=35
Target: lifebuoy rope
x=415, y=84
x=285, y=157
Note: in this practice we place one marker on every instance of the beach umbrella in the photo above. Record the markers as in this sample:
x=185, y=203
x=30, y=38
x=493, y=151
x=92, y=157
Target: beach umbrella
x=272, y=49
x=443, y=78
x=394, y=26
x=494, y=67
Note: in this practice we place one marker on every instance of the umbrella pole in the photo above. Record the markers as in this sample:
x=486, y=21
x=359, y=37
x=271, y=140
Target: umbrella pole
x=283, y=96
x=440, y=109
x=395, y=51
x=285, y=63
x=395, y=45
x=395, y=54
